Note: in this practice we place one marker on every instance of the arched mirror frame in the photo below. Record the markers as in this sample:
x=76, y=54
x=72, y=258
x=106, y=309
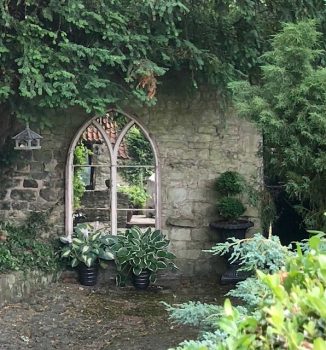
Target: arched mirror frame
x=114, y=166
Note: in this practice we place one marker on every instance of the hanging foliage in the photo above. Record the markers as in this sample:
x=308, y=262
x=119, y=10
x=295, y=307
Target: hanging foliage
x=59, y=54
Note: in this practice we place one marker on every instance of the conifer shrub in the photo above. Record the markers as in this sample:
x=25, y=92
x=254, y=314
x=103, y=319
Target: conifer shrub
x=284, y=303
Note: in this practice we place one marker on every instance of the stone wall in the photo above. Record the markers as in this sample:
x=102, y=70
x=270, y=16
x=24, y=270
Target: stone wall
x=17, y=286
x=195, y=143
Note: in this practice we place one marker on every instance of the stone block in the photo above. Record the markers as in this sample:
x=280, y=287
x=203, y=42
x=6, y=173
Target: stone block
x=49, y=194
x=50, y=165
x=201, y=195
x=24, y=194
x=42, y=156
x=175, y=246
x=3, y=194
x=40, y=176
x=203, y=267
x=181, y=221
x=5, y=205
x=180, y=234
x=195, y=245
x=29, y=183
x=177, y=194
x=25, y=156
x=22, y=167
x=189, y=254
x=19, y=205
x=36, y=167
x=40, y=206
x=18, y=285
x=200, y=234
x=186, y=267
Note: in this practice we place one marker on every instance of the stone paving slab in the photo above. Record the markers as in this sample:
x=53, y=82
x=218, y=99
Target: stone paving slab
x=70, y=316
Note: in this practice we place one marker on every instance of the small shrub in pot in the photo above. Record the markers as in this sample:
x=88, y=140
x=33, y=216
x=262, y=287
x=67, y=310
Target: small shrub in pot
x=229, y=186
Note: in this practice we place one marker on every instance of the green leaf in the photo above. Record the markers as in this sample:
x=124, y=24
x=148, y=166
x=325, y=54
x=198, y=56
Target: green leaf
x=161, y=265
x=122, y=252
x=106, y=255
x=137, y=270
x=86, y=249
x=74, y=262
x=66, y=253
x=77, y=241
x=228, y=309
x=319, y=344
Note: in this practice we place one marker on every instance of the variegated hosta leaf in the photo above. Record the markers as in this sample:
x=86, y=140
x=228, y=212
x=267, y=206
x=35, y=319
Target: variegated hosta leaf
x=66, y=252
x=152, y=266
x=95, y=236
x=161, y=265
x=96, y=251
x=77, y=241
x=106, y=255
x=88, y=261
x=74, y=262
x=137, y=270
x=152, y=277
x=81, y=229
x=161, y=244
x=162, y=254
x=109, y=240
x=122, y=252
x=86, y=249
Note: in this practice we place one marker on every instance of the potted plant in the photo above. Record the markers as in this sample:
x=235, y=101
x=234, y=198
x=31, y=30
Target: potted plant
x=230, y=185
x=87, y=251
x=141, y=254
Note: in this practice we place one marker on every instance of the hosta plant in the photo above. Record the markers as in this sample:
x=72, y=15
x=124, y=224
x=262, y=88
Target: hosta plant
x=137, y=251
x=86, y=246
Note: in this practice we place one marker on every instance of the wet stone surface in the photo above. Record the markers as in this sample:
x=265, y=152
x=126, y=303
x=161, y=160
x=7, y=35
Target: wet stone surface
x=71, y=316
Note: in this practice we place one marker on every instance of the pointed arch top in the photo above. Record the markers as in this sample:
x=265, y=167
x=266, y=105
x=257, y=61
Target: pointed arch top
x=114, y=153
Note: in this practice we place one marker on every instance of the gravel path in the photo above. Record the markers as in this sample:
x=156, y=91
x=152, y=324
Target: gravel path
x=70, y=316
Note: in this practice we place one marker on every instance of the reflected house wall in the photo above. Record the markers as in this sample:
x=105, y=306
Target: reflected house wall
x=96, y=200
x=97, y=204
x=101, y=175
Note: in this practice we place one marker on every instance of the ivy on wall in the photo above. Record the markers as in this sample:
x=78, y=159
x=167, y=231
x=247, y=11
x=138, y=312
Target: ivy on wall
x=57, y=54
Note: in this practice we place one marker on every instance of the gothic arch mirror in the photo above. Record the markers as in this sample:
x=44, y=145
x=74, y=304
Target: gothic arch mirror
x=112, y=175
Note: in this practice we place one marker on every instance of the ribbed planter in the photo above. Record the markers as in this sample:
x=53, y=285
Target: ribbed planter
x=142, y=280
x=88, y=275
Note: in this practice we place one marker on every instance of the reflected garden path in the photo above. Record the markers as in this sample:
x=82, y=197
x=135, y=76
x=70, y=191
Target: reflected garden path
x=70, y=316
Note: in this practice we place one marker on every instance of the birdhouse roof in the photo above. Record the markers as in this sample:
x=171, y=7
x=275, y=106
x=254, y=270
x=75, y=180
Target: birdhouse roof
x=27, y=134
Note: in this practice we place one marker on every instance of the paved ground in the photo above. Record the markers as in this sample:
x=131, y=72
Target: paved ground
x=70, y=316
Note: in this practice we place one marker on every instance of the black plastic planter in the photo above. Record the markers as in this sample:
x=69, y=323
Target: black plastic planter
x=88, y=275
x=142, y=280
